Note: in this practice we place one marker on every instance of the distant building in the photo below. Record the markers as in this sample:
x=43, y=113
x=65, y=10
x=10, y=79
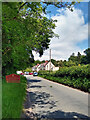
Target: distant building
x=50, y=66
x=34, y=68
x=45, y=66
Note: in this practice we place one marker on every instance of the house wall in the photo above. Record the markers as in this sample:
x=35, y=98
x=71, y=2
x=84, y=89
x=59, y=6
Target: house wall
x=56, y=68
x=47, y=67
x=38, y=68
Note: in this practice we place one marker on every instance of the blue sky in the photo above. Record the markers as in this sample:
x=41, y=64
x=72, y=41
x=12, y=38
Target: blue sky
x=72, y=27
x=82, y=6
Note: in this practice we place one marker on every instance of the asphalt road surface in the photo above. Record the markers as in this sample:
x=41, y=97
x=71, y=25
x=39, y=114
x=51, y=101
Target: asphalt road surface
x=53, y=100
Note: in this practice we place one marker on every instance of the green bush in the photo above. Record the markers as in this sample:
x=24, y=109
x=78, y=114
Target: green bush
x=28, y=70
x=75, y=71
x=75, y=76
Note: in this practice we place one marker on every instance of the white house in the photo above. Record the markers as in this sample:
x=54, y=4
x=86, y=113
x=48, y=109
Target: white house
x=34, y=68
x=45, y=66
x=42, y=66
x=50, y=66
x=55, y=68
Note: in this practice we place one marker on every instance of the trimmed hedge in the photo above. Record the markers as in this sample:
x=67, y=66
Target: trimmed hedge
x=75, y=71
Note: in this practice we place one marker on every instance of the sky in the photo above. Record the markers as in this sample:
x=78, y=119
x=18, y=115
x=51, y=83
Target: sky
x=72, y=28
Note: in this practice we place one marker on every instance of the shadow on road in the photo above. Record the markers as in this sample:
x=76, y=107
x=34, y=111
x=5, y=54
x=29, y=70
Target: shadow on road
x=61, y=114
x=34, y=80
x=42, y=100
x=36, y=86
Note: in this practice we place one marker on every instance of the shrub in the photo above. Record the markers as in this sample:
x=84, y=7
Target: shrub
x=28, y=70
x=75, y=76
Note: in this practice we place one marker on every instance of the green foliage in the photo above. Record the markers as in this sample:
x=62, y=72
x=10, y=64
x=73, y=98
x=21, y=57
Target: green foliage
x=24, y=29
x=36, y=62
x=70, y=63
x=54, y=61
x=75, y=76
x=28, y=70
x=74, y=71
x=81, y=59
x=43, y=72
x=13, y=98
x=75, y=59
x=87, y=52
x=60, y=63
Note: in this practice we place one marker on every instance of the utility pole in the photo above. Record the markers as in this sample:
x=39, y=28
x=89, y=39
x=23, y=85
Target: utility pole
x=50, y=59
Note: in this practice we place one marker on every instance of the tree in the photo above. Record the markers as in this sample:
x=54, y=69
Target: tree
x=53, y=61
x=70, y=63
x=75, y=59
x=25, y=29
x=79, y=57
x=87, y=52
x=83, y=59
x=73, y=54
x=61, y=63
x=72, y=57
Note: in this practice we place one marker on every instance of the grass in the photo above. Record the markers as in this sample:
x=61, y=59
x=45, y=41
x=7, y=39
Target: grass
x=13, y=96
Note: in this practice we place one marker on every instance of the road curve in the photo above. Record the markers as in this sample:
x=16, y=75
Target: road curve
x=53, y=100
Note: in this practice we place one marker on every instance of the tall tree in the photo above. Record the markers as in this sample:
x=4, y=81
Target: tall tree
x=79, y=57
x=87, y=52
x=25, y=29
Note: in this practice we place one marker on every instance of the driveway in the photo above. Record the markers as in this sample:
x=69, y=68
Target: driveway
x=52, y=100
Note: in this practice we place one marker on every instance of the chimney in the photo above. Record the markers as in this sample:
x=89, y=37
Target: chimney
x=46, y=61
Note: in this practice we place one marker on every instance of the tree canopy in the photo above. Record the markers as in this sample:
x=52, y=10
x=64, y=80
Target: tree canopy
x=25, y=29
x=81, y=59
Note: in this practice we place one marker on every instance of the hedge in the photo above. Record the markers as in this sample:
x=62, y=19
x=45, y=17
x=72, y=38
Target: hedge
x=76, y=76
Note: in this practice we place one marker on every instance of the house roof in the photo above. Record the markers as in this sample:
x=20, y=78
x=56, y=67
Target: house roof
x=42, y=64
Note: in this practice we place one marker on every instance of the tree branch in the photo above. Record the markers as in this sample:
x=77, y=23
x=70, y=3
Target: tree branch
x=22, y=6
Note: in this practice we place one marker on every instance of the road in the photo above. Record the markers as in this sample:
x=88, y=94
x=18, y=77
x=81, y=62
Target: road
x=53, y=100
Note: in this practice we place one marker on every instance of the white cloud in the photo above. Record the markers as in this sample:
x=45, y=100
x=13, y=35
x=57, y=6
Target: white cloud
x=72, y=29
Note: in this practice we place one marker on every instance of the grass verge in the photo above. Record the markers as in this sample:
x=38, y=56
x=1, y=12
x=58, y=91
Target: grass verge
x=13, y=96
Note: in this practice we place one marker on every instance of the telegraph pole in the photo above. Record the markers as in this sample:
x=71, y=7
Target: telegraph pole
x=50, y=59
